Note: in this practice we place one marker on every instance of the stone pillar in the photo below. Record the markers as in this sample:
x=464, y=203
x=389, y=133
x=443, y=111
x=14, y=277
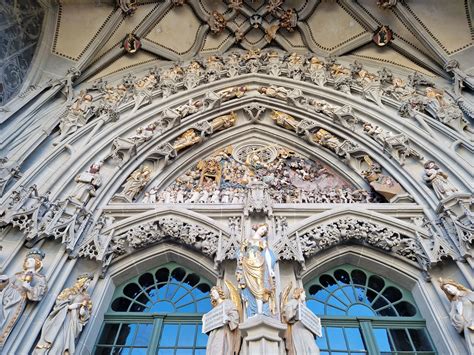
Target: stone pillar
x=262, y=335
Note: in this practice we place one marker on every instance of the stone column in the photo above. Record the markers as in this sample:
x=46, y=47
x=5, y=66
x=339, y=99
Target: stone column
x=262, y=335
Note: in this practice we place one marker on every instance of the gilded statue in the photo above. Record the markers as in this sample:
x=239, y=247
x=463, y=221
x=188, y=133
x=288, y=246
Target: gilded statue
x=223, y=122
x=187, y=139
x=256, y=273
x=438, y=180
x=225, y=339
x=462, y=309
x=67, y=319
x=299, y=340
x=16, y=291
x=77, y=116
x=284, y=120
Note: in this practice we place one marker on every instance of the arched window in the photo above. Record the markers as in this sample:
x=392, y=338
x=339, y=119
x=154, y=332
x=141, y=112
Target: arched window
x=363, y=313
x=158, y=312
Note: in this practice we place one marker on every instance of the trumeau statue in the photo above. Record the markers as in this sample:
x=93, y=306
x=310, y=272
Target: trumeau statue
x=438, y=180
x=225, y=339
x=67, y=319
x=462, y=309
x=256, y=273
x=299, y=339
x=16, y=291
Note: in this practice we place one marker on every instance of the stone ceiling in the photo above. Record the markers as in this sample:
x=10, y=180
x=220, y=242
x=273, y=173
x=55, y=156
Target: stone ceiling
x=426, y=33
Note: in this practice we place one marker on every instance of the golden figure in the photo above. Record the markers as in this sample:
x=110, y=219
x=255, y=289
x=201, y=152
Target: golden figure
x=187, y=139
x=223, y=122
x=255, y=273
x=284, y=120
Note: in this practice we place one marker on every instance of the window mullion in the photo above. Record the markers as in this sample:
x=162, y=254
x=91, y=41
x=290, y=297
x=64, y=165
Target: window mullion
x=368, y=334
x=155, y=338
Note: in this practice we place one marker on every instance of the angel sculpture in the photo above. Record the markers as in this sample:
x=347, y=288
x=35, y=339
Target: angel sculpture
x=224, y=338
x=299, y=338
x=462, y=309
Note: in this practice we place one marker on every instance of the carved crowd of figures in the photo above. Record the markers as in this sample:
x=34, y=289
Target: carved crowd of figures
x=417, y=94
x=65, y=322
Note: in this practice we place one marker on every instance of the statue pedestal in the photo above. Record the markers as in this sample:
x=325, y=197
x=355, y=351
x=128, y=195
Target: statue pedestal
x=262, y=335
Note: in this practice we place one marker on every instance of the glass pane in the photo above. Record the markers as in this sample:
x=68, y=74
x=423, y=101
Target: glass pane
x=322, y=342
x=379, y=303
x=405, y=309
x=126, y=334
x=316, y=307
x=146, y=280
x=144, y=334
x=108, y=333
x=121, y=304
x=132, y=290
x=387, y=312
x=333, y=301
x=336, y=339
x=376, y=282
x=100, y=350
x=342, y=276
x=360, y=295
x=342, y=297
x=187, y=334
x=322, y=295
x=184, y=352
x=169, y=335
x=178, y=274
x=381, y=335
x=204, y=288
x=192, y=279
x=204, y=305
x=313, y=289
x=359, y=277
x=354, y=339
x=200, y=352
x=392, y=294
x=400, y=339
x=331, y=311
x=135, y=307
x=328, y=282
x=162, y=307
x=360, y=310
x=165, y=352
x=201, y=338
x=138, y=351
x=420, y=339
x=162, y=275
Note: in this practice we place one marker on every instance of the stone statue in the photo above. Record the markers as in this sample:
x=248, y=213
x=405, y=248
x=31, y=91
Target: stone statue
x=256, y=273
x=225, y=339
x=299, y=339
x=382, y=184
x=462, y=309
x=87, y=184
x=223, y=122
x=76, y=117
x=135, y=182
x=16, y=291
x=67, y=319
x=438, y=180
x=187, y=139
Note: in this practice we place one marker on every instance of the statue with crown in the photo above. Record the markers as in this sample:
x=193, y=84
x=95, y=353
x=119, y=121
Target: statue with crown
x=28, y=285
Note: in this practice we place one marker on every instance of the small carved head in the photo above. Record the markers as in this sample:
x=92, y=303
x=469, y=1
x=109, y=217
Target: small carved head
x=260, y=229
x=299, y=294
x=430, y=164
x=34, y=258
x=216, y=294
x=451, y=288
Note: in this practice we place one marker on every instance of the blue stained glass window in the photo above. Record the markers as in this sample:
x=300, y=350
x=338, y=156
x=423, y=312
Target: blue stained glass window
x=161, y=307
x=354, y=306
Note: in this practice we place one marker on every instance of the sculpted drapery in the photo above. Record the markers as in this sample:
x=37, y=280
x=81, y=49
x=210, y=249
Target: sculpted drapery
x=255, y=273
x=67, y=319
x=226, y=339
x=28, y=285
x=299, y=340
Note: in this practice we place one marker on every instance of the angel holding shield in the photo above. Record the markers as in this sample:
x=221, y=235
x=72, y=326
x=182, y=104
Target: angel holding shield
x=225, y=339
